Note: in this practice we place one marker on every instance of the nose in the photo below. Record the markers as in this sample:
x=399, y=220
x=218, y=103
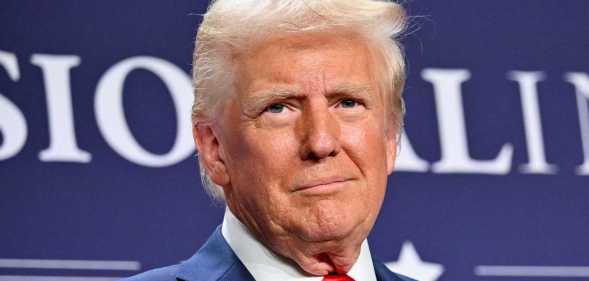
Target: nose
x=321, y=133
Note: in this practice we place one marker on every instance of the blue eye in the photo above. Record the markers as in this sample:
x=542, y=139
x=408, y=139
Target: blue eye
x=276, y=108
x=348, y=103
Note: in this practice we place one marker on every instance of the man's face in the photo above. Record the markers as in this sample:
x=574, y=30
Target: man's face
x=304, y=141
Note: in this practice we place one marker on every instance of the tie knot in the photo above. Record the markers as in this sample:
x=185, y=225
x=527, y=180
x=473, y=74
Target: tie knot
x=337, y=277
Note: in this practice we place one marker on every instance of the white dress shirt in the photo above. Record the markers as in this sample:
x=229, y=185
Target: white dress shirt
x=264, y=265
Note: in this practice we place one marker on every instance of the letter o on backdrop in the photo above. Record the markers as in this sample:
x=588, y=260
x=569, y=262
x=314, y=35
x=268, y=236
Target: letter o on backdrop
x=111, y=118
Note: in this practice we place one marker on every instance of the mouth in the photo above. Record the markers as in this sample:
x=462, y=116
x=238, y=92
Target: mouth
x=322, y=186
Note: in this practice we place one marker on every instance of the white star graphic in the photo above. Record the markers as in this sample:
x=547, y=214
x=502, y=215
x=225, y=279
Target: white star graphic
x=411, y=265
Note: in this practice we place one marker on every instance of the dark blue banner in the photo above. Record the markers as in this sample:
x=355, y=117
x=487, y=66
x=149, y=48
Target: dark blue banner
x=99, y=179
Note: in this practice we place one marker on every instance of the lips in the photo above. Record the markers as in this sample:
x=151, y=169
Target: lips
x=322, y=185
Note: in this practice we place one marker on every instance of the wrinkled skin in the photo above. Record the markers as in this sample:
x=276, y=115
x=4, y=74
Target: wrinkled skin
x=302, y=150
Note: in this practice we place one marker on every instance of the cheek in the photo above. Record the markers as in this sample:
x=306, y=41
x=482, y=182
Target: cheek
x=272, y=151
x=366, y=148
x=365, y=144
x=261, y=171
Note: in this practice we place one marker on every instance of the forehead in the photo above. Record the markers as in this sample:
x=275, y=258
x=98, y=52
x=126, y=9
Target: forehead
x=305, y=60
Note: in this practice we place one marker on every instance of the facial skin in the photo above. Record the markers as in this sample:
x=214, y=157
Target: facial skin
x=302, y=150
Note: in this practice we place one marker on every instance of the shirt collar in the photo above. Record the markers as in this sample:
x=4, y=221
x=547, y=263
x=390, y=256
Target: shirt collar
x=265, y=265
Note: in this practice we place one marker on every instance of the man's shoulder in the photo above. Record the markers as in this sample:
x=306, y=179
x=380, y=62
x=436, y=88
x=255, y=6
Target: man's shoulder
x=167, y=273
x=213, y=261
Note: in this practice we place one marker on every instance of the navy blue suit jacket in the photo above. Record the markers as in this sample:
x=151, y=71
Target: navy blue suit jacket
x=215, y=261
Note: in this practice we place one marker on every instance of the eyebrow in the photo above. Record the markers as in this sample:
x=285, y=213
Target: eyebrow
x=260, y=100
x=349, y=89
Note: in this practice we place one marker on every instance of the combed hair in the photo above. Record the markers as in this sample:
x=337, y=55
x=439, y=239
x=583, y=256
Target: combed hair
x=232, y=27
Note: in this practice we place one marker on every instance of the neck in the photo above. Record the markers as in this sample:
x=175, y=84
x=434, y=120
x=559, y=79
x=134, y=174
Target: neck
x=312, y=257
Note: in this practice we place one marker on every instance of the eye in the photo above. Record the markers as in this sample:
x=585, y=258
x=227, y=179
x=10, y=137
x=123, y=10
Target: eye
x=348, y=103
x=275, y=108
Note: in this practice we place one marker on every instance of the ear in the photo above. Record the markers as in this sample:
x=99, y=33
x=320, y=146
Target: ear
x=391, y=148
x=210, y=153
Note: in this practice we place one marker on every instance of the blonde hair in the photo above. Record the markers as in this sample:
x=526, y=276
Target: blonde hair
x=231, y=27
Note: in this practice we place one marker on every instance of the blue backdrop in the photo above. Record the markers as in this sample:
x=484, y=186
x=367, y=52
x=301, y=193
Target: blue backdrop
x=98, y=177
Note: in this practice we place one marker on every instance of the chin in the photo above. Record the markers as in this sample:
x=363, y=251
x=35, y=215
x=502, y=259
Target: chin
x=335, y=226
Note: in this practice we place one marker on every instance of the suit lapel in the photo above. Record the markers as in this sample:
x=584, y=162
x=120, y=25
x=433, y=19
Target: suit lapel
x=384, y=274
x=214, y=261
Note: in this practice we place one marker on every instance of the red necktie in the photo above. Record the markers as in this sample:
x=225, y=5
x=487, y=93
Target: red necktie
x=337, y=277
